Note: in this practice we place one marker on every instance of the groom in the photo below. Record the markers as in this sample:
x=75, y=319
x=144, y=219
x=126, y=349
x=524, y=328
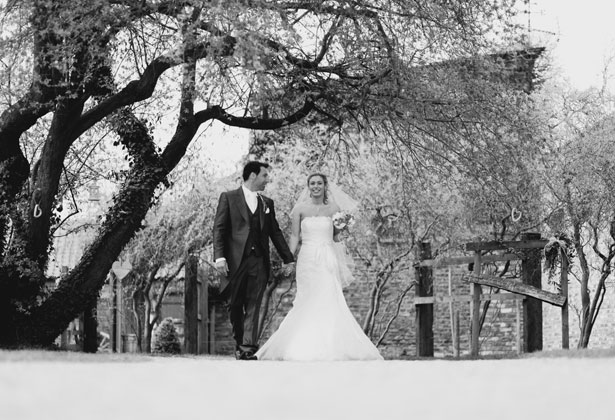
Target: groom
x=244, y=222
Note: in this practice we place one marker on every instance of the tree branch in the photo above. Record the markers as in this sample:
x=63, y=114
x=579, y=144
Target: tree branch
x=334, y=9
x=400, y=299
x=143, y=88
x=255, y=123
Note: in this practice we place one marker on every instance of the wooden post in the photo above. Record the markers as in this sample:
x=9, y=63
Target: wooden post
x=564, y=291
x=64, y=340
x=191, y=306
x=451, y=309
x=457, y=347
x=120, y=312
x=519, y=333
x=116, y=328
x=114, y=338
x=212, y=329
x=203, y=310
x=476, y=290
x=90, y=325
x=424, y=312
x=532, y=307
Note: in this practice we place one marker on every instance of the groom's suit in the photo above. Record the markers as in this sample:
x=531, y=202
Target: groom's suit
x=242, y=238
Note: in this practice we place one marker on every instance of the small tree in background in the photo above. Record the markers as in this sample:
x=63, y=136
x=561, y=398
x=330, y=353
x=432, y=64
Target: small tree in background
x=166, y=339
x=181, y=224
x=577, y=175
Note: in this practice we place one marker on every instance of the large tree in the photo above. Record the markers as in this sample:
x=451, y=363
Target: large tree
x=70, y=67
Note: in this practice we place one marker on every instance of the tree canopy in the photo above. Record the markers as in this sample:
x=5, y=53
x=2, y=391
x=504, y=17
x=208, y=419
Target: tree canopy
x=153, y=73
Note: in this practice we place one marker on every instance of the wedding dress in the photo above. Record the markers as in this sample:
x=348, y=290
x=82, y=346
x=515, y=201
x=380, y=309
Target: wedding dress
x=319, y=326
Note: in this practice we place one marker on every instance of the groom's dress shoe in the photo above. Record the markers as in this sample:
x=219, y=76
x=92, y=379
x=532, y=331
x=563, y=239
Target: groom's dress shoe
x=244, y=355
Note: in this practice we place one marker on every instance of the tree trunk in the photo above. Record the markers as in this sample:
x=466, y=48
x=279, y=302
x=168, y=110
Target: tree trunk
x=80, y=288
x=147, y=315
x=148, y=336
x=139, y=313
x=151, y=324
x=585, y=319
x=594, y=308
x=46, y=181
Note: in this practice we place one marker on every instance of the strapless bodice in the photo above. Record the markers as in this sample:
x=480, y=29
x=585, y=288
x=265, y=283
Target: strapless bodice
x=316, y=230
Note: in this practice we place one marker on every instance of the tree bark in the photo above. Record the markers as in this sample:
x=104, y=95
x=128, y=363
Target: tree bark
x=80, y=288
x=584, y=283
x=139, y=314
x=593, y=309
x=46, y=180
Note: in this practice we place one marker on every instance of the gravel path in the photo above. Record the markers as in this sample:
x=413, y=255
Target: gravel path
x=219, y=388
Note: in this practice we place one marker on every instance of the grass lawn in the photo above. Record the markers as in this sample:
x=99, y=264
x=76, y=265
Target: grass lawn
x=40, y=385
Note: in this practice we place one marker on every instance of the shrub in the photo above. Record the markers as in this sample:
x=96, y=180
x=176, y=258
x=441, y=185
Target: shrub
x=166, y=339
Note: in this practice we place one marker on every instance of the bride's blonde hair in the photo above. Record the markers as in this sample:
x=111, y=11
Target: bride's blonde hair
x=325, y=197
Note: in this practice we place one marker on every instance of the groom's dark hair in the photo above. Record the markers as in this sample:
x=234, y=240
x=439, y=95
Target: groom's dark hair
x=253, y=166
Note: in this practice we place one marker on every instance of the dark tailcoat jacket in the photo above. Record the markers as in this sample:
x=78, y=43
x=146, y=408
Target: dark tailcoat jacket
x=232, y=226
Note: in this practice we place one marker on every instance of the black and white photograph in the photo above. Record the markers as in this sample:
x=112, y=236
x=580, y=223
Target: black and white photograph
x=307, y=209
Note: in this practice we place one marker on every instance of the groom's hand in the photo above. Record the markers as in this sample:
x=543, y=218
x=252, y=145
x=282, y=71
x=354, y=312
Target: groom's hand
x=222, y=267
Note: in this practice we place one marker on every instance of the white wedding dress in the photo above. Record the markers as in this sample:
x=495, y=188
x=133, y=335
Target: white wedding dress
x=319, y=326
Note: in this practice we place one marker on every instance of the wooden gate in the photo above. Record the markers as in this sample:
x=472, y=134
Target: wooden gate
x=528, y=290
x=196, y=310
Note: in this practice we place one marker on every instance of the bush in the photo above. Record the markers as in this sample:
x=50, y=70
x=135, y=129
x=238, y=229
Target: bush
x=166, y=339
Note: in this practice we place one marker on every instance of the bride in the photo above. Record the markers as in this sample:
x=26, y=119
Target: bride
x=319, y=326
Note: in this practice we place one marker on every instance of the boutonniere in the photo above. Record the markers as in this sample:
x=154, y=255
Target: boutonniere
x=265, y=207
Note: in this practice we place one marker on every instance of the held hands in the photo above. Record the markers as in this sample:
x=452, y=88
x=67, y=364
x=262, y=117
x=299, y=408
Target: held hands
x=288, y=269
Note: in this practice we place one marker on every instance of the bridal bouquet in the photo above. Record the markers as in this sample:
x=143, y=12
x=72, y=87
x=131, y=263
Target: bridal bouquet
x=343, y=220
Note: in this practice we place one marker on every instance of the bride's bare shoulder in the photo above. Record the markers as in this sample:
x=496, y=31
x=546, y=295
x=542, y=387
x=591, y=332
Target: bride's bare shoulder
x=332, y=208
x=302, y=207
x=302, y=210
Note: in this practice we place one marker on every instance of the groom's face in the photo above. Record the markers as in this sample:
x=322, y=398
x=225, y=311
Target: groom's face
x=261, y=179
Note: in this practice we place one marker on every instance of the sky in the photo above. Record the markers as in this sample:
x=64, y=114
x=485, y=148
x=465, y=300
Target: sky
x=227, y=146
x=581, y=34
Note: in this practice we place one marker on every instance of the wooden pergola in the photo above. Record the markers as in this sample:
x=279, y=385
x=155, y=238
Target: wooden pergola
x=529, y=290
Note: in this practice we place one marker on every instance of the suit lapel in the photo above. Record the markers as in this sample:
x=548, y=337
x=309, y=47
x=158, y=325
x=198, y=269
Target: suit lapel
x=240, y=200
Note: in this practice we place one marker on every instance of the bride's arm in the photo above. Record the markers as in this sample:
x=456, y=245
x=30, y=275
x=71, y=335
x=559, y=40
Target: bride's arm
x=295, y=231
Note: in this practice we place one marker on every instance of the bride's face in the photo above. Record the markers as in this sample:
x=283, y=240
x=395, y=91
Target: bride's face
x=316, y=186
